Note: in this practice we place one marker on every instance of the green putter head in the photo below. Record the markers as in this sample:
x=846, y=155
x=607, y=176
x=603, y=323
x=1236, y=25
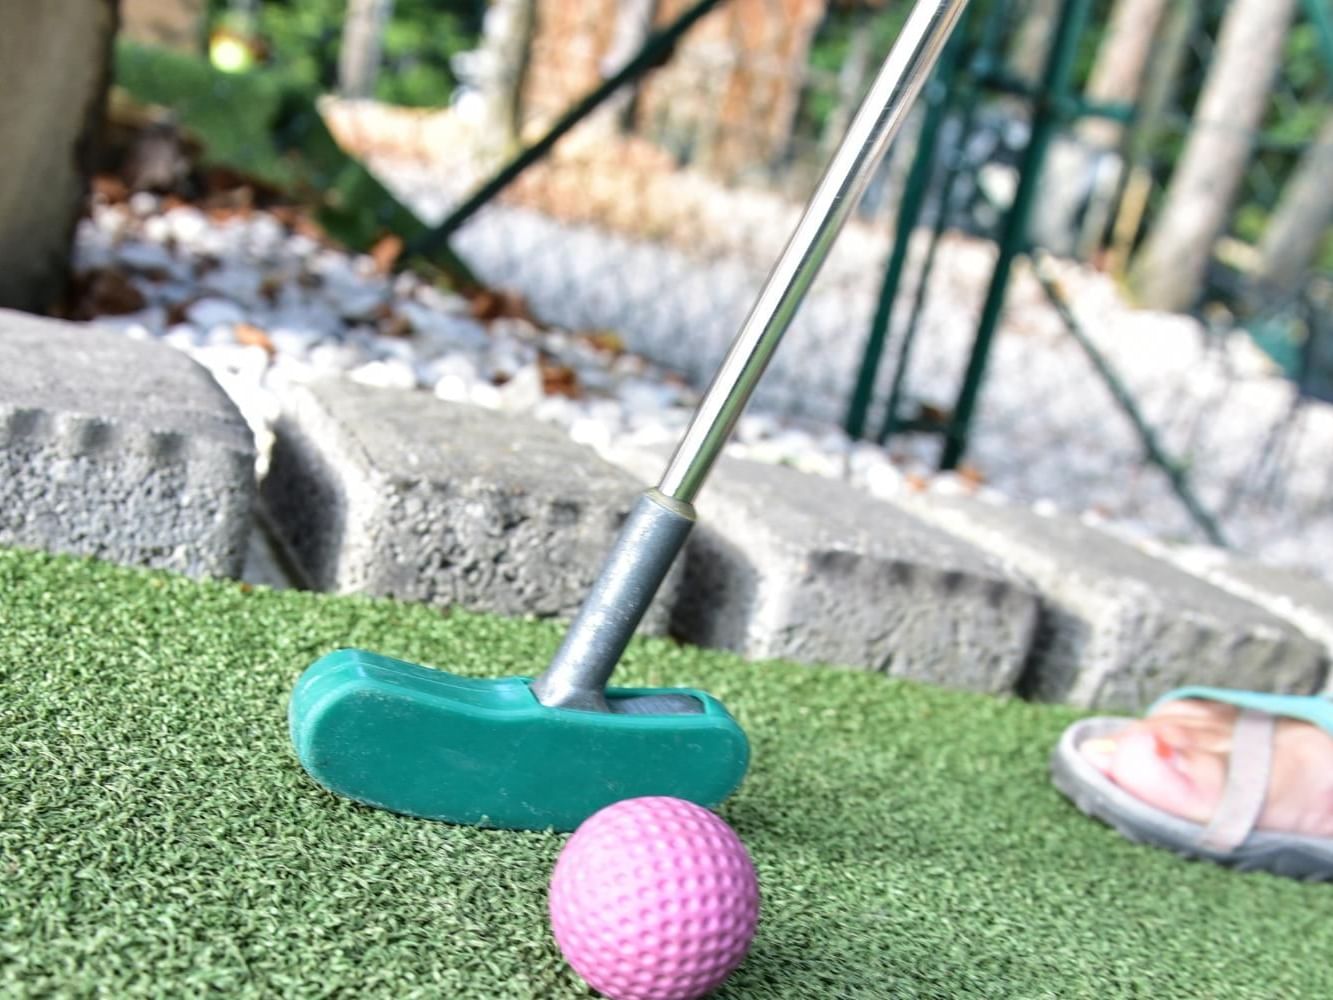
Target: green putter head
x=518, y=753
x=486, y=752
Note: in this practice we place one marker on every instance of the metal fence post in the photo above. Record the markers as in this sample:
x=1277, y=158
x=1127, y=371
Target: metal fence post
x=1050, y=112
x=909, y=213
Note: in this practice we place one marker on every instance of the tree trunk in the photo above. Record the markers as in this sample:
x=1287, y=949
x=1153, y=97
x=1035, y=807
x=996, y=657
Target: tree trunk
x=359, y=57
x=1170, y=270
x=633, y=27
x=1158, y=94
x=1122, y=59
x=1302, y=219
x=856, y=69
x=1032, y=40
x=497, y=72
x=55, y=60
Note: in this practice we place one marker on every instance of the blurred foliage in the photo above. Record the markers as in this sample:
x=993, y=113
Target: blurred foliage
x=264, y=124
x=829, y=53
x=1300, y=97
x=302, y=37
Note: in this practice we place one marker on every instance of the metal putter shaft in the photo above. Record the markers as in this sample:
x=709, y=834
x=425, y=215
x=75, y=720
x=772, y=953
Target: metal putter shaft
x=661, y=520
x=516, y=753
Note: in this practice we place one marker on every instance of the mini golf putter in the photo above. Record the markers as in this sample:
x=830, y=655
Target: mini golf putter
x=548, y=753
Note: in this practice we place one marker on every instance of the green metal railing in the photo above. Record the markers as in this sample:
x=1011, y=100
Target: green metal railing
x=972, y=70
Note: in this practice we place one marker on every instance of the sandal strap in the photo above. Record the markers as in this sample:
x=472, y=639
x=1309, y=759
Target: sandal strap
x=1246, y=789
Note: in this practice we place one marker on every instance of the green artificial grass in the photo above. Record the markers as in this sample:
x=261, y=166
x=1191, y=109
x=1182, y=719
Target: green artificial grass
x=157, y=837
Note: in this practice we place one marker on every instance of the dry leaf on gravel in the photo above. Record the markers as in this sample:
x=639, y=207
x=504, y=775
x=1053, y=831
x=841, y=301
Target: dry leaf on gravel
x=110, y=189
x=270, y=288
x=179, y=312
x=385, y=253
x=249, y=335
x=389, y=322
x=105, y=292
x=491, y=305
x=560, y=380
x=605, y=340
x=973, y=477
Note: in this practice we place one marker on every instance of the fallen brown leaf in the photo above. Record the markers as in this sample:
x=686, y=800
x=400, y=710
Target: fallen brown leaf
x=205, y=264
x=105, y=292
x=110, y=189
x=179, y=312
x=225, y=213
x=490, y=305
x=391, y=323
x=560, y=380
x=249, y=335
x=606, y=340
x=971, y=475
x=932, y=414
x=271, y=288
x=385, y=252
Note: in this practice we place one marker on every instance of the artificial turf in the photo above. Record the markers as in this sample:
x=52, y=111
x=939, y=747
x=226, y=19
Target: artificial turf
x=157, y=837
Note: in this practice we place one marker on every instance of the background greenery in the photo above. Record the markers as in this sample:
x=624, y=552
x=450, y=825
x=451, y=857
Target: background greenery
x=303, y=36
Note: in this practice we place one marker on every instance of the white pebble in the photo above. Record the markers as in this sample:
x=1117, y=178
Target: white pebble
x=453, y=389
x=524, y=391
x=337, y=356
x=643, y=396
x=484, y=394
x=157, y=229
x=184, y=337
x=390, y=374
x=214, y=312
x=394, y=348
x=145, y=256
x=234, y=280
x=591, y=432
x=293, y=343
x=233, y=359
x=187, y=224
x=151, y=321
x=143, y=203
x=265, y=234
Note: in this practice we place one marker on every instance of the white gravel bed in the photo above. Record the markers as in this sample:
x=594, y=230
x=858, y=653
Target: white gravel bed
x=262, y=307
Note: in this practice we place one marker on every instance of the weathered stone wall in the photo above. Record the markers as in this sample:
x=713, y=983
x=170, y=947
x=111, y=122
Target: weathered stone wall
x=129, y=451
x=54, y=60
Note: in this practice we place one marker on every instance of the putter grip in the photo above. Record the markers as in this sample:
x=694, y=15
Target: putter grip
x=651, y=538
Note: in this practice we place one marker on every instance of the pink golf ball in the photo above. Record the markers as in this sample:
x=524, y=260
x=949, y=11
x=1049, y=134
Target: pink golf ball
x=654, y=899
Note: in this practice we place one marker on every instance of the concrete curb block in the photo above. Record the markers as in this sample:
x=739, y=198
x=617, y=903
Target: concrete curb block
x=788, y=565
x=1119, y=627
x=123, y=450
x=404, y=495
x=1304, y=601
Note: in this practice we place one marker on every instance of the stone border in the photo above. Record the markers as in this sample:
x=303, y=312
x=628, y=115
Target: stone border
x=129, y=451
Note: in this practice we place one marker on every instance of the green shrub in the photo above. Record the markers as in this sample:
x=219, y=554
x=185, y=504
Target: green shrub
x=302, y=38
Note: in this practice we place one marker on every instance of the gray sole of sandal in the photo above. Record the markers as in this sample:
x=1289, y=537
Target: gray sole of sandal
x=1290, y=855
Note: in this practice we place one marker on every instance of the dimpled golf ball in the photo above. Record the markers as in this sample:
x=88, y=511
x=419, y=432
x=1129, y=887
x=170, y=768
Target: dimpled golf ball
x=654, y=899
